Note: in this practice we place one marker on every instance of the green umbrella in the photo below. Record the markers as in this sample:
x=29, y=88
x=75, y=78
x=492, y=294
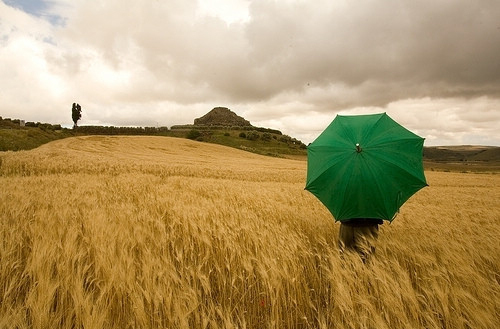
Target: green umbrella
x=365, y=166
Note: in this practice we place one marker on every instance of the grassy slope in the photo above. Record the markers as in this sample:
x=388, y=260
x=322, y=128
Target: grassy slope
x=272, y=147
x=15, y=139
x=28, y=138
x=462, y=159
x=149, y=232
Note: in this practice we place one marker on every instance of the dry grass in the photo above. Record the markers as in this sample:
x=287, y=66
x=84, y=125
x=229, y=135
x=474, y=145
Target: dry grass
x=151, y=232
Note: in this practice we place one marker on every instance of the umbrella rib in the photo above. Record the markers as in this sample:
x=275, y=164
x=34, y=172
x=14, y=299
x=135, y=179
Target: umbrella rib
x=332, y=161
x=347, y=184
x=403, y=169
x=388, y=160
x=395, y=168
x=372, y=128
x=377, y=183
x=382, y=144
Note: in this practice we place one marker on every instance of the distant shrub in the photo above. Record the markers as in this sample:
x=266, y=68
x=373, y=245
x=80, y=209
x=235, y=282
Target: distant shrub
x=253, y=136
x=267, y=130
x=243, y=135
x=285, y=139
x=227, y=134
x=48, y=126
x=266, y=137
x=193, y=134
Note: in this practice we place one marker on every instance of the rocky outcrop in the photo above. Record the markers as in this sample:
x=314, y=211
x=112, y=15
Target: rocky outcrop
x=221, y=116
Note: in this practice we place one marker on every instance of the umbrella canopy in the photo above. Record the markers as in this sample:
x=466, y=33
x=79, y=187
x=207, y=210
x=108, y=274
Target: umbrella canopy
x=365, y=166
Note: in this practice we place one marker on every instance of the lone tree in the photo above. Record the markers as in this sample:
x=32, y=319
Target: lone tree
x=76, y=113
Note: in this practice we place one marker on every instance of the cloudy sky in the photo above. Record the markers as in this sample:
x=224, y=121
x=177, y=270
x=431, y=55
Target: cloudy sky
x=432, y=65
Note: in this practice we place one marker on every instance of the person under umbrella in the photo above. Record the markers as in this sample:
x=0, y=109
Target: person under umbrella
x=363, y=168
x=359, y=235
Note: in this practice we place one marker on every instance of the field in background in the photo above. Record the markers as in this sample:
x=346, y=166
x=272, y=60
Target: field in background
x=156, y=232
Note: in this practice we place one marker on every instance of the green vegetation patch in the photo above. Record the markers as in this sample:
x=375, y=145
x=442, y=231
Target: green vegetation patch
x=28, y=138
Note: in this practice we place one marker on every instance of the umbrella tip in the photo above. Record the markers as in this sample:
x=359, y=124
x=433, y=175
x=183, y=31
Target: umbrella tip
x=358, y=148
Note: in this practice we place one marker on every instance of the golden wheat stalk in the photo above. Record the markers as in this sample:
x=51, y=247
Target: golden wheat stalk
x=151, y=232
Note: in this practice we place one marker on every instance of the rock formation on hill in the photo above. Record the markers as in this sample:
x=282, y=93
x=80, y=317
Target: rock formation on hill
x=222, y=116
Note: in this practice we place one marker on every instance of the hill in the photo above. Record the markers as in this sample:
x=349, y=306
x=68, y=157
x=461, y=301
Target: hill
x=16, y=135
x=224, y=127
x=219, y=126
x=462, y=153
x=222, y=116
x=463, y=157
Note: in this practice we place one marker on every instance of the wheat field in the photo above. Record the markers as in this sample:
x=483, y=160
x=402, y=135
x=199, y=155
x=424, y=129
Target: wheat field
x=157, y=232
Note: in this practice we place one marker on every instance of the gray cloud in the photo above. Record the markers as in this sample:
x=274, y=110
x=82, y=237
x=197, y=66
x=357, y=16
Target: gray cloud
x=292, y=64
x=399, y=50
x=385, y=52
